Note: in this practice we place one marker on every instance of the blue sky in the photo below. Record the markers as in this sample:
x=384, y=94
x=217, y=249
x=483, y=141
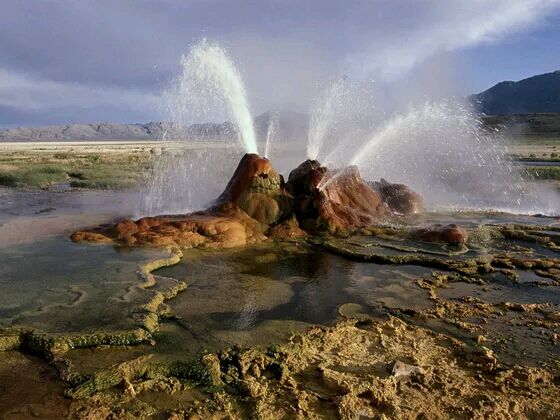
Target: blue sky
x=105, y=60
x=516, y=57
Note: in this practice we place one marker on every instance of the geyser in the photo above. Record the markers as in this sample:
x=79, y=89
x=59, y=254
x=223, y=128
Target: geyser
x=441, y=150
x=270, y=133
x=342, y=113
x=257, y=204
x=189, y=177
x=210, y=88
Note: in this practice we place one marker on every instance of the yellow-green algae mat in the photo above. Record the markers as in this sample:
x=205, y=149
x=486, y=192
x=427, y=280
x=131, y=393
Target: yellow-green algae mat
x=361, y=367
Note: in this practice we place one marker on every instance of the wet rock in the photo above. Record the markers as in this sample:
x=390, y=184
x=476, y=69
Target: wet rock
x=304, y=179
x=257, y=202
x=256, y=188
x=400, y=198
x=125, y=229
x=336, y=202
x=286, y=230
x=83, y=236
x=146, y=223
x=451, y=234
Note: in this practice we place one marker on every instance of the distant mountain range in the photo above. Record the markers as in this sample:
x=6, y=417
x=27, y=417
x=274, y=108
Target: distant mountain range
x=288, y=126
x=537, y=94
x=517, y=105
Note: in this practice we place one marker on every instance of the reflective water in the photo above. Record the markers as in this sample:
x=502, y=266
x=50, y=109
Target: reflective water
x=255, y=295
x=55, y=285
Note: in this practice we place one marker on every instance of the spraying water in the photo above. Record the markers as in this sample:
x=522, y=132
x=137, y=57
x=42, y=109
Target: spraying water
x=210, y=88
x=341, y=116
x=440, y=150
x=324, y=113
x=192, y=171
x=444, y=153
x=270, y=133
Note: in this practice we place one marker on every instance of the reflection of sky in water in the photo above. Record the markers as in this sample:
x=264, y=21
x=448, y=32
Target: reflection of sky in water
x=57, y=285
x=306, y=286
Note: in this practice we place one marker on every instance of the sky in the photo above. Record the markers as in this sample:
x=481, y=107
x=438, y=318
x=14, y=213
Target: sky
x=110, y=60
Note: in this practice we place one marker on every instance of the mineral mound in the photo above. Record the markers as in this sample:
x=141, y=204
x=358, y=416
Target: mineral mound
x=336, y=202
x=399, y=197
x=258, y=204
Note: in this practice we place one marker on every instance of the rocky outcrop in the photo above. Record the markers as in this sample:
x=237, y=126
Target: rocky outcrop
x=224, y=227
x=257, y=204
x=399, y=197
x=257, y=189
x=253, y=200
x=334, y=201
x=452, y=234
x=289, y=229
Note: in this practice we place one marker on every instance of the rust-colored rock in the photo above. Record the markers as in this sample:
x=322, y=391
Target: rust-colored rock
x=256, y=188
x=125, y=228
x=146, y=223
x=305, y=178
x=337, y=202
x=84, y=236
x=253, y=200
x=452, y=234
x=256, y=202
x=289, y=229
x=400, y=198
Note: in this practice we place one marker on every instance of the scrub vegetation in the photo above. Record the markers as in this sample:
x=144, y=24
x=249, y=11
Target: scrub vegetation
x=103, y=169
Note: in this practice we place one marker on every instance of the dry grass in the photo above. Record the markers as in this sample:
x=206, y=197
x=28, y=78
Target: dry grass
x=87, y=167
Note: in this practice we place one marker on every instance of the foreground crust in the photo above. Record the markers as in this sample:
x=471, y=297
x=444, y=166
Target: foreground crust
x=357, y=369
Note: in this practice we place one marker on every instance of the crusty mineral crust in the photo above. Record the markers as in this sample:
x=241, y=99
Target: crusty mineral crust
x=355, y=369
x=364, y=367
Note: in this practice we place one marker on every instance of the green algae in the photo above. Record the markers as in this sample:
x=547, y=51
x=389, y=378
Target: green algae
x=466, y=266
x=49, y=344
x=236, y=379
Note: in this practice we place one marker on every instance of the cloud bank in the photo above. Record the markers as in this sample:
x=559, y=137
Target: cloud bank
x=110, y=60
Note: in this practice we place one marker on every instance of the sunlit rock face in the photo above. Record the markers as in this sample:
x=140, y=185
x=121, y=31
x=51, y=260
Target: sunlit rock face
x=256, y=204
x=224, y=228
x=452, y=234
x=334, y=202
x=256, y=188
x=399, y=197
x=252, y=202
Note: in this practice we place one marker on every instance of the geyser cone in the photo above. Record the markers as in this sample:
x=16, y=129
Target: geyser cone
x=256, y=188
x=345, y=203
x=304, y=179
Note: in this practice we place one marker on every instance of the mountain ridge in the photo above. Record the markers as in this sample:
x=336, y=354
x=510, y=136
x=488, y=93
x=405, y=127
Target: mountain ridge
x=289, y=125
x=536, y=94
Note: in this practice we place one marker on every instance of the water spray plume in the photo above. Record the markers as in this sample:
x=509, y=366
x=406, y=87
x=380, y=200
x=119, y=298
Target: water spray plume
x=444, y=153
x=192, y=173
x=323, y=117
x=210, y=88
x=270, y=133
x=342, y=115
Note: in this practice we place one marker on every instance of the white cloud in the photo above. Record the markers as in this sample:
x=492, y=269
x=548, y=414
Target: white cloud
x=121, y=54
x=394, y=47
x=28, y=93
